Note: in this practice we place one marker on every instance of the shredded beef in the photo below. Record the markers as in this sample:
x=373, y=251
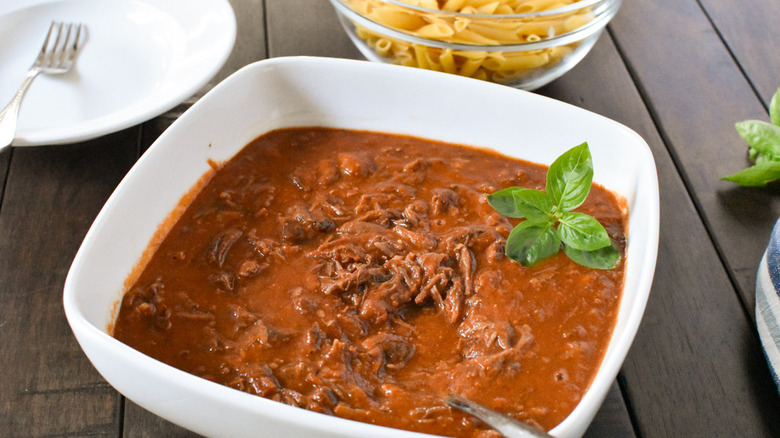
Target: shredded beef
x=392, y=266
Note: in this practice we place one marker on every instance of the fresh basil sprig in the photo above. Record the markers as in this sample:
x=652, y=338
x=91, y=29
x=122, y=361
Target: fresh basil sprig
x=763, y=141
x=549, y=220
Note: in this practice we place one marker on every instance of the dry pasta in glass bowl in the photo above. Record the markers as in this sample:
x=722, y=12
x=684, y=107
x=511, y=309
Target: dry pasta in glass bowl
x=520, y=43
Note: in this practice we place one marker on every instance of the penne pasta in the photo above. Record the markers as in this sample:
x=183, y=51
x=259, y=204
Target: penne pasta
x=461, y=24
x=383, y=46
x=397, y=18
x=469, y=67
x=434, y=30
x=504, y=10
x=447, y=60
x=489, y=8
x=432, y=58
x=480, y=3
x=541, y=28
x=452, y=5
x=468, y=36
x=577, y=21
x=524, y=61
x=481, y=74
x=542, y=5
x=420, y=55
x=504, y=34
x=477, y=29
x=560, y=51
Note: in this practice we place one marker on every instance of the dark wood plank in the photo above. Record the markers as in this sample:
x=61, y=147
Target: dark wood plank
x=695, y=368
x=5, y=160
x=250, y=46
x=750, y=30
x=251, y=43
x=306, y=27
x=141, y=423
x=697, y=93
x=612, y=420
x=52, y=195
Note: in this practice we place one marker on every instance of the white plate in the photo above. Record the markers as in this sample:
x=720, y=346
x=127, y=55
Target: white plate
x=140, y=59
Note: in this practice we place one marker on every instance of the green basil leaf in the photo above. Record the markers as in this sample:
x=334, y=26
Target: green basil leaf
x=759, y=175
x=603, y=258
x=529, y=243
x=581, y=231
x=753, y=154
x=503, y=201
x=774, y=108
x=762, y=136
x=534, y=206
x=764, y=158
x=569, y=178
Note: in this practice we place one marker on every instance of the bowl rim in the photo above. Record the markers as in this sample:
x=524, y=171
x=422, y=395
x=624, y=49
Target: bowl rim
x=592, y=27
x=545, y=12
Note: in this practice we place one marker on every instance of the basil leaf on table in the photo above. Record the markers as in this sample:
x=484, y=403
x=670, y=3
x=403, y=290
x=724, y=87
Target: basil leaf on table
x=763, y=140
x=759, y=175
x=761, y=136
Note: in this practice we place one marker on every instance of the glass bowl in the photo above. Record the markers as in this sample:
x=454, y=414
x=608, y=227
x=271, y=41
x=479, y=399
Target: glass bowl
x=520, y=43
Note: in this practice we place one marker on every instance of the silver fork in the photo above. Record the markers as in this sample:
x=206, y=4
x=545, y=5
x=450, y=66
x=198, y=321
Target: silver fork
x=55, y=57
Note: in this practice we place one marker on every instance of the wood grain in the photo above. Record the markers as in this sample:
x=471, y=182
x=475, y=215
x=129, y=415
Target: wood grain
x=612, y=420
x=141, y=423
x=5, y=160
x=750, y=30
x=696, y=93
x=52, y=195
x=306, y=28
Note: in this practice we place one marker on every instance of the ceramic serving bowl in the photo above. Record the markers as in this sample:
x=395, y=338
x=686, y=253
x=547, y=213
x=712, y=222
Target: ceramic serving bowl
x=286, y=92
x=524, y=44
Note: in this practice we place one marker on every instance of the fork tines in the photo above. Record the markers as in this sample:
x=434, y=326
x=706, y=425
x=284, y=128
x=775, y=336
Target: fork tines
x=61, y=52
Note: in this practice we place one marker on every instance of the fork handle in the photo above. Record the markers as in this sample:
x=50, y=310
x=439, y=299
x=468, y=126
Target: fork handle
x=10, y=114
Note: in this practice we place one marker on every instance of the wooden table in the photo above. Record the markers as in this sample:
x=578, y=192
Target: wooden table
x=679, y=72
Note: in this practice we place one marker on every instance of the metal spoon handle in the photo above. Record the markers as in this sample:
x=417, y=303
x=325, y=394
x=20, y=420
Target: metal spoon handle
x=506, y=426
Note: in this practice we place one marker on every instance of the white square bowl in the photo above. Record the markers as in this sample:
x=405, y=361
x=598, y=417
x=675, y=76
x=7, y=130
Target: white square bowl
x=300, y=91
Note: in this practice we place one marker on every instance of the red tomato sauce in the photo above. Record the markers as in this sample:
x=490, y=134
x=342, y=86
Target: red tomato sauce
x=363, y=275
